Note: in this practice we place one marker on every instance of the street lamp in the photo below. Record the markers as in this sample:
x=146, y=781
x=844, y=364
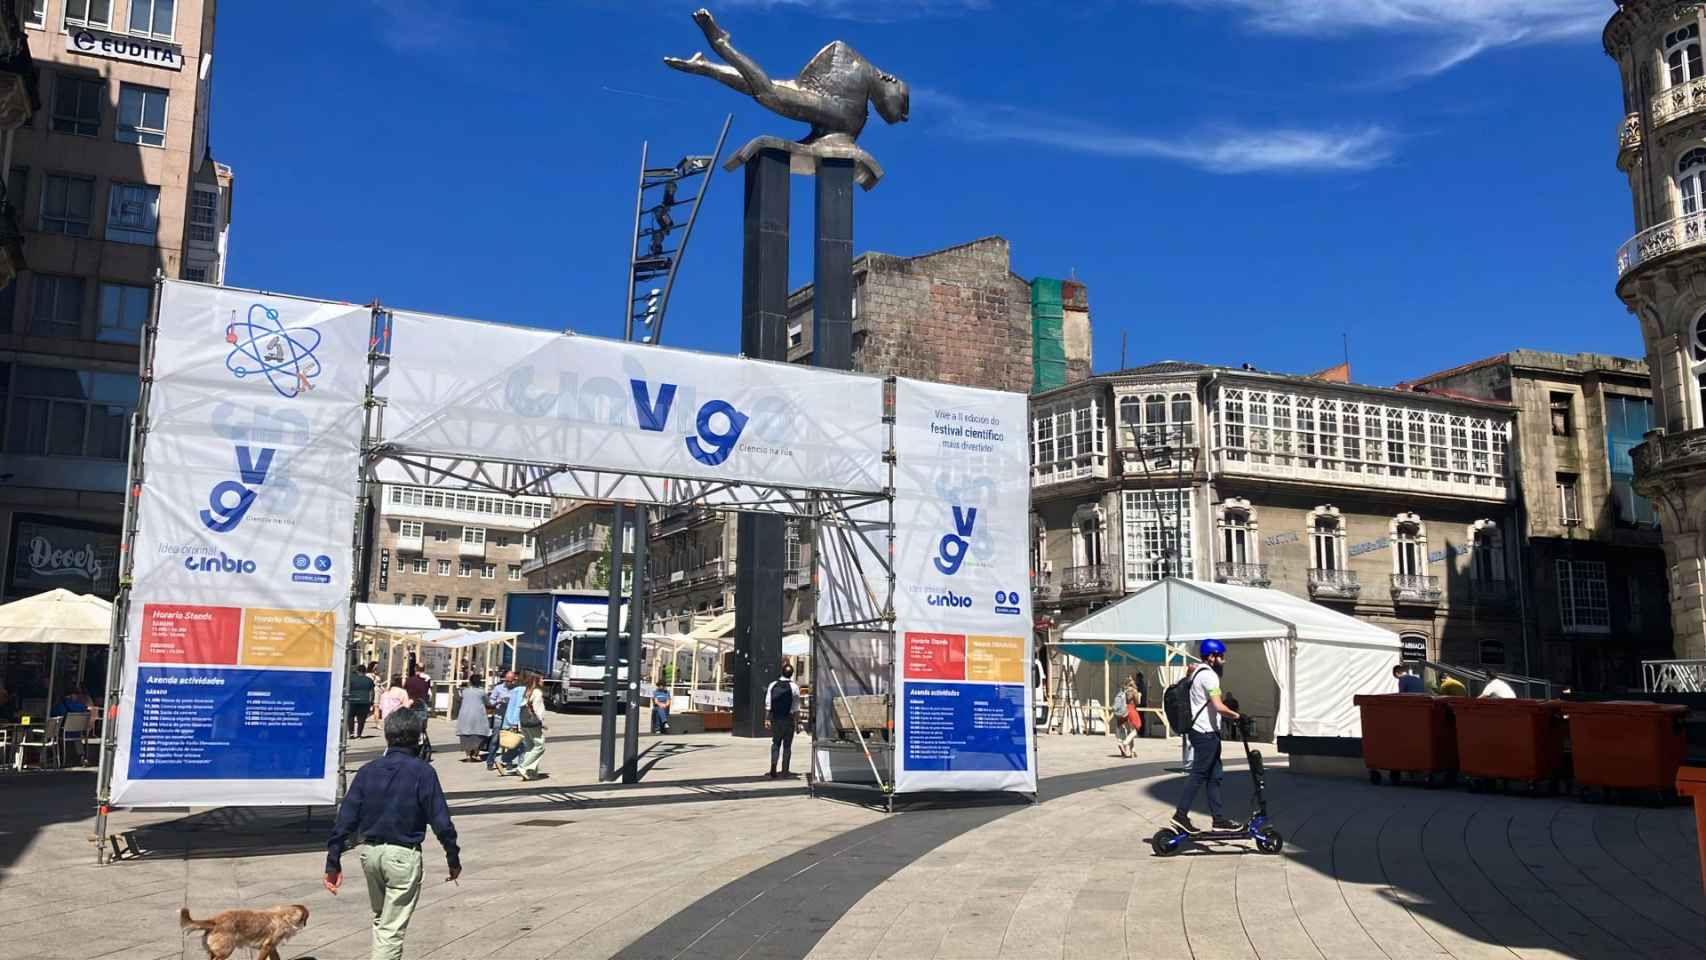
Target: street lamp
x=1166, y=449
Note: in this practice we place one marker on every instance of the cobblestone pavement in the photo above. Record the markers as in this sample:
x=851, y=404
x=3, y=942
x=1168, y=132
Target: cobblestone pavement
x=707, y=859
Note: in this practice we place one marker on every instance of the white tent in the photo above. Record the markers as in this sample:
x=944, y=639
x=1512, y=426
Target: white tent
x=57, y=616
x=392, y=616
x=1313, y=660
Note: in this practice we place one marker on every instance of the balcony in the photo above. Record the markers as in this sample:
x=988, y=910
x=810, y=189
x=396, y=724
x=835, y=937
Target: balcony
x=1668, y=453
x=466, y=549
x=712, y=572
x=1628, y=137
x=406, y=544
x=1096, y=578
x=1242, y=574
x=1044, y=587
x=1089, y=466
x=796, y=580
x=1686, y=232
x=1491, y=593
x=1334, y=585
x=1415, y=589
x=1678, y=102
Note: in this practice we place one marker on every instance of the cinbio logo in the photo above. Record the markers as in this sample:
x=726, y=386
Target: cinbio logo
x=219, y=564
x=949, y=599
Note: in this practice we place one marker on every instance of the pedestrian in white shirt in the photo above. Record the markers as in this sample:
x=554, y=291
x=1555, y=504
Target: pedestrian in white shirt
x=1497, y=689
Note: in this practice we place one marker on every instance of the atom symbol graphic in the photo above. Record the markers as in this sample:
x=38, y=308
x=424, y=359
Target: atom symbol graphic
x=262, y=344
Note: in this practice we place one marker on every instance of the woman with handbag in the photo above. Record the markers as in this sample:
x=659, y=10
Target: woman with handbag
x=510, y=738
x=532, y=727
x=472, y=726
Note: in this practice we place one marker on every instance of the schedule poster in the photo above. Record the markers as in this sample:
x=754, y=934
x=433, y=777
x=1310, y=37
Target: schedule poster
x=234, y=647
x=962, y=604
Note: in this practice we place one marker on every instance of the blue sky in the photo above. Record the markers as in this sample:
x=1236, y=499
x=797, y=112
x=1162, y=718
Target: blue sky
x=1235, y=180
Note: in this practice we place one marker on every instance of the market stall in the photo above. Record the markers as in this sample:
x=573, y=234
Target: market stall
x=52, y=620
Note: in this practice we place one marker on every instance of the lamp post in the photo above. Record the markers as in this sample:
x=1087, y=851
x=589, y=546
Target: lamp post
x=1163, y=449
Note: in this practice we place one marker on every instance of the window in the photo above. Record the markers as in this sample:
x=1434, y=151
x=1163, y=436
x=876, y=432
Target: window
x=198, y=272
x=37, y=15
x=410, y=529
x=1492, y=653
x=18, y=188
x=465, y=569
x=489, y=572
x=1633, y=620
x=796, y=334
x=441, y=534
x=463, y=604
x=67, y=204
x=488, y=607
x=514, y=573
x=1069, y=440
x=1326, y=539
x=398, y=598
x=1699, y=367
x=77, y=105
x=1582, y=602
x=1487, y=559
x=1087, y=537
x=142, y=118
x=89, y=13
x=133, y=213
x=1158, y=535
x=1237, y=533
x=1562, y=425
x=440, y=603
x=791, y=537
x=1569, y=500
x=124, y=312
x=1682, y=54
x=1690, y=180
x=57, y=411
x=1409, y=546
x=474, y=535
x=1154, y=419
x=152, y=17
x=1627, y=420
x=421, y=566
x=418, y=600
x=527, y=543
x=56, y=308
x=444, y=568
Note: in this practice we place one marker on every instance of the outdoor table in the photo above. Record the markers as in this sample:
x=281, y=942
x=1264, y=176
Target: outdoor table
x=17, y=732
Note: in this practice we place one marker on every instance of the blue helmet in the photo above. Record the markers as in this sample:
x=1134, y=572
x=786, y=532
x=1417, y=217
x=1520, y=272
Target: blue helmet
x=1209, y=646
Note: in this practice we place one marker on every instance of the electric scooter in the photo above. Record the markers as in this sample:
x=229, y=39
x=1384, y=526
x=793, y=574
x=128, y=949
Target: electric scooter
x=1168, y=841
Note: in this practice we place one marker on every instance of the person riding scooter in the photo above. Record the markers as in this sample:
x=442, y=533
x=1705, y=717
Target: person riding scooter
x=1207, y=709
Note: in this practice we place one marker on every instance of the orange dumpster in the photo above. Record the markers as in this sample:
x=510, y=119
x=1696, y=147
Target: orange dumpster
x=1627, y=744
x=1407, y=733
x=1509, y=740
x=1691, y=782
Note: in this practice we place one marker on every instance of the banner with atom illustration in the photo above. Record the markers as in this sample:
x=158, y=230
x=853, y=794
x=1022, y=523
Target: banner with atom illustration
x=238, y=619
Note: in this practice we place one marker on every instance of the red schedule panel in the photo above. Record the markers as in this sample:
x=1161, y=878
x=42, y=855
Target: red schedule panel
x=935, y=656
x=186, y=633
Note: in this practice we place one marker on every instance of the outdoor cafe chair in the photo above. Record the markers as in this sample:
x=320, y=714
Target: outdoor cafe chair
x=49, y=742
x=75, y=730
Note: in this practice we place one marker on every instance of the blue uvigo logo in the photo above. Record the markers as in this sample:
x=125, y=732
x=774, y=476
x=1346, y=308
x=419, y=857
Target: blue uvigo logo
x=951, y=551
x=710, y=447
x=222, y=515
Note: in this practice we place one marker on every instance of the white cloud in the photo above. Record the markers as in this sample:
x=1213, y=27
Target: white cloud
x=1456, y=30
x=875, y=11
x=1225, y=150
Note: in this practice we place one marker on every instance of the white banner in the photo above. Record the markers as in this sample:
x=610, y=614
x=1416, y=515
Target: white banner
x=963, y=638
x=233, y=668
x=461, y=388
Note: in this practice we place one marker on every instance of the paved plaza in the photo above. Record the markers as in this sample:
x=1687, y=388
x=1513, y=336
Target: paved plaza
x=708, y=859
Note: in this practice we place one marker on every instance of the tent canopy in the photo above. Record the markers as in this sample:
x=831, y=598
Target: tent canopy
x=715, y=628
x=796, y=645
x=1317, y=659
x=57, y=616
x=467, y=639
x=391, y=616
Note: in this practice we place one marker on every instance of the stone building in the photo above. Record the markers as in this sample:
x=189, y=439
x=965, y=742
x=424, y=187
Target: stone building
x=572, y=550
x=1592, y=565
x=1392, y=506
x=111, y=181
x=455, y=551
x=1661, y=277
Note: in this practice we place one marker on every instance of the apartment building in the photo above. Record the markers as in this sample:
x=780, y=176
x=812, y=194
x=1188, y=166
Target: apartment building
x=112, y=181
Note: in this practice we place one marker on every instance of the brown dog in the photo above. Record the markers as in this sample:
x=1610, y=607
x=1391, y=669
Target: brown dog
x=261, y=930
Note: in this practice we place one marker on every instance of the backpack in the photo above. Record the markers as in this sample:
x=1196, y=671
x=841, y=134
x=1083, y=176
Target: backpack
x=781, y=698
x=1176, y=701
x=1119, y=704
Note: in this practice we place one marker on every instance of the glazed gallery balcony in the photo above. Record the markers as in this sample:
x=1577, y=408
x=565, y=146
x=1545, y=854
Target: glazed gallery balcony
x=1334, y=584
x=1686, y=232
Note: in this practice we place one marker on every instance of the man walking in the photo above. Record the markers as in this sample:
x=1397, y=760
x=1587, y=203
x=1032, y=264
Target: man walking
x=781, y=707
x=1407, y=681
x=499, y=700
x=390, y=803
x=360, y=701
x=1204, y=735
x=419, y=688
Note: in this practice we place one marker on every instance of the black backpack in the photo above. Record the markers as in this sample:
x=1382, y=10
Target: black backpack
x=782, y=698
x=1176, y=701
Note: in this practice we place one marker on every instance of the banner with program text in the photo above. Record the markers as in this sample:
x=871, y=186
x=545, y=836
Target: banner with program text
x=239, y=602
x=962, y=596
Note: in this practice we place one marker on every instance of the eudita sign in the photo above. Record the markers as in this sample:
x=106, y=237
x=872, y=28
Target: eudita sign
x=95, y=43
x=49, y=553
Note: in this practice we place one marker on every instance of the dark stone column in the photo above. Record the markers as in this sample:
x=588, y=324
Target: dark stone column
x=607, y=721
x=832, y=270
x=636, y=713
x=759, y=549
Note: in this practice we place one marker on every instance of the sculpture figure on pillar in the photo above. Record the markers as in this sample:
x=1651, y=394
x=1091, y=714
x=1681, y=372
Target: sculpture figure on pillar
x=830, y=93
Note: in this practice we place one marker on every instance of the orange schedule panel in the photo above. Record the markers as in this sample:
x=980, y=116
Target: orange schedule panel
x=189, y=633
x=287, y=638
x=995, y=659
x=935, y=656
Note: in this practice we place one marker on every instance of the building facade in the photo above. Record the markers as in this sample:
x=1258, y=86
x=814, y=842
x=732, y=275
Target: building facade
x=112, y=182
x=454, y=552
x=1592, y=565
x=1391, y=506
x=572, y=550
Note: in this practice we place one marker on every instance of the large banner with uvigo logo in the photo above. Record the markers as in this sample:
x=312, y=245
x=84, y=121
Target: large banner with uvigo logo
x=239, y=601
x=962, y=594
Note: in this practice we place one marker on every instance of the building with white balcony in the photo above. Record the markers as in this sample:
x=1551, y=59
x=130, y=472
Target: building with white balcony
x=1390, y=505
x=455, y=552
x=1661, y=277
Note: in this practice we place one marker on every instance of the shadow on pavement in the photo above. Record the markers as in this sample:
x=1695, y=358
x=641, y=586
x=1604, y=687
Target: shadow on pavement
x=234, y=832
x=34, y=801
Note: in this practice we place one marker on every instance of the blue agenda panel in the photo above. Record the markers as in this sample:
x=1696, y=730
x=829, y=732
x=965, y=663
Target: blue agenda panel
x=206, y=723
x=965, y=726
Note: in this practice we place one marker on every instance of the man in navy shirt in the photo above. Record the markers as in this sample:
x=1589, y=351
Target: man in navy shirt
x=390, y=804
x=1407, y=681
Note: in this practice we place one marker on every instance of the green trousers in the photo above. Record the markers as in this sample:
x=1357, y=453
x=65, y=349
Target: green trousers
x=393, y=888
x=533, y=749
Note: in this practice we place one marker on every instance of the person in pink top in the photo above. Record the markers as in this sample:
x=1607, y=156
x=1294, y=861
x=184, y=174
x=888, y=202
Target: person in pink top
x=394, y=699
